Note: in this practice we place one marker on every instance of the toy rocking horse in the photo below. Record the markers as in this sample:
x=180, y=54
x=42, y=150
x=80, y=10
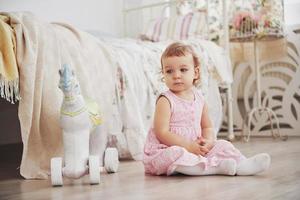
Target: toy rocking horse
x=80, y=121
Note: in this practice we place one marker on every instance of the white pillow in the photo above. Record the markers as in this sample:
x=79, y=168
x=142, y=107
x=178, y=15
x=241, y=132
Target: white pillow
x=180, y=27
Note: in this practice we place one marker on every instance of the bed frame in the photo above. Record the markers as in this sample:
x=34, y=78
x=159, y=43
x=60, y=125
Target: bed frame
x=151, y=12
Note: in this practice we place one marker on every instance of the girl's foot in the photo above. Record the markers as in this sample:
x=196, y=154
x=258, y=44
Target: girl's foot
x=254, y=165
x=227, y=167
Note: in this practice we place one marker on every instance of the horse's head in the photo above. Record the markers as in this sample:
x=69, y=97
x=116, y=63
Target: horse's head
x=68, y=82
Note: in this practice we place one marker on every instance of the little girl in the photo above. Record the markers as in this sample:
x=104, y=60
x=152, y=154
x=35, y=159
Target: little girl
x=182, y=139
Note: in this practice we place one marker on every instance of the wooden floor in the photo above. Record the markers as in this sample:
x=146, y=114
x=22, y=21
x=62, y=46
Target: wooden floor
x=282, y=181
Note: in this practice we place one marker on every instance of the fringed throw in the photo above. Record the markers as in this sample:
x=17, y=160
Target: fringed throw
x=9, y=75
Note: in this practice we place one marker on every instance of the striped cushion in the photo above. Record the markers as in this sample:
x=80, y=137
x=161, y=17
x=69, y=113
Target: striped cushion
x=181, y=27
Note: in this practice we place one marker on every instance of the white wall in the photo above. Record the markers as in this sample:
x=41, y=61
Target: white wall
x=292, y=12
x=104, y=15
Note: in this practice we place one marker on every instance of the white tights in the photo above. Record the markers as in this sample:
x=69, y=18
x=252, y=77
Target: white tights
x=226, y=167
x=254, y=165
x=249, y=166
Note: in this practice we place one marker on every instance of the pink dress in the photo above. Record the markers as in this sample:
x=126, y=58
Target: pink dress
x=185, y=121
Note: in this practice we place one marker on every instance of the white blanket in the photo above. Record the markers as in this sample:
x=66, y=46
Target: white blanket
x=122, y=76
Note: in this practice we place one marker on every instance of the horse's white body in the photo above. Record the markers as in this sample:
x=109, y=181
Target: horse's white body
x=78, y=123
x=84, y=141
x=76, y=137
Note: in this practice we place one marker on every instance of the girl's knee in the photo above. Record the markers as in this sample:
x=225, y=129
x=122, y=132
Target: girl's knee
x=223, y=143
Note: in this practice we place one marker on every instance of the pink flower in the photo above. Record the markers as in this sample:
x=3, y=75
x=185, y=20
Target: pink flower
x=241, y=15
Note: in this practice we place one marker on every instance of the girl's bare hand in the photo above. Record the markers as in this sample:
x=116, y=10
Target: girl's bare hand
x=203, y=150
x=208, y=144
x=195, y=148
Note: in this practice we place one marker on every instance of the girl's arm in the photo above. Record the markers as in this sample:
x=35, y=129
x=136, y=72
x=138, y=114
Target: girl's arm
x=208, y=135
x=162, y=129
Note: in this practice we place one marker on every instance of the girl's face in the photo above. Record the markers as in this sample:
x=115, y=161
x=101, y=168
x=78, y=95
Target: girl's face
x=179, y=72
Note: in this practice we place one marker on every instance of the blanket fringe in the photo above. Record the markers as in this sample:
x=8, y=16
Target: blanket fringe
x=9, y=90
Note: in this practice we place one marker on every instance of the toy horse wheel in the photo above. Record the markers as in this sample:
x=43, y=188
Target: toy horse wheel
x=111, y=160
x=94, y=170
x=56, y=171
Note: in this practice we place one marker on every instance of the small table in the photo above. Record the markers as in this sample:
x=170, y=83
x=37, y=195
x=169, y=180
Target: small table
x=259, y=108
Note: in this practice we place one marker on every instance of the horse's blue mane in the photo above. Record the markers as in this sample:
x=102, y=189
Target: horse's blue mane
x=66, y=76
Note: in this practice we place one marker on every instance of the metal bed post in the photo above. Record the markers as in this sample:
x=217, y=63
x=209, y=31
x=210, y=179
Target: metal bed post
x=230, y=135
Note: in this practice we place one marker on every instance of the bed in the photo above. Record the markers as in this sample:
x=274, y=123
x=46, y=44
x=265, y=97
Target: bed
x=121, y=75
